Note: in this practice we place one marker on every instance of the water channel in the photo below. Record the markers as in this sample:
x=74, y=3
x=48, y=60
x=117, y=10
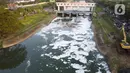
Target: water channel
x=64, y=46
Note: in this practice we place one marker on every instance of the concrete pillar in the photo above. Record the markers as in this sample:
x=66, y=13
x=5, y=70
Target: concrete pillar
x=64, y=7
x=90, y=9
x=63, y=14
x=58, y=8
x=78, y=7
x=77, y=15
x=93, y=8
x=70, y=15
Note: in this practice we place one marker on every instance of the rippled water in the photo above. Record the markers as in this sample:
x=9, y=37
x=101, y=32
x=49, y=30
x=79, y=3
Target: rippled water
x=61, y=47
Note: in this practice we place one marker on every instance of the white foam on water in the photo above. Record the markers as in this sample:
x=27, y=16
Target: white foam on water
x=99, y=56
x=105, y=66
x=44, y=46
x=80, y=68
x=28, y=65
x=62, y=43
x=77, y=66
x=47, y=65
x=81, y=71
x=56, y=68
x=99, y=70
x=42, y=55
x=81, y=34
x=65, y=62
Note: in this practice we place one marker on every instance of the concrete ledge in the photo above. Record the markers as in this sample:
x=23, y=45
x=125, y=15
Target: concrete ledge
x=73, y=13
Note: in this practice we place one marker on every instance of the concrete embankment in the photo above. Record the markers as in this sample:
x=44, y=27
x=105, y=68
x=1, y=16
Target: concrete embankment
x=22, y=37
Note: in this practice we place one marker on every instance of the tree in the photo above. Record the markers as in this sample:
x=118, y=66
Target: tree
x=9, y=23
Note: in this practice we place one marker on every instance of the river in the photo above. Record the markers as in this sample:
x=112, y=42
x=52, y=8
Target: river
x=64, y=46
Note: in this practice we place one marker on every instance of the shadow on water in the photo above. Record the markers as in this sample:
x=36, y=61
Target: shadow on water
x=12, y=57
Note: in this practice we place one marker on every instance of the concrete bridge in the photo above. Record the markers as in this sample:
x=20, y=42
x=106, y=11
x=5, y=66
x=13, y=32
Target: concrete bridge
x=73, y=13
x=74, y=8
x=81, y=6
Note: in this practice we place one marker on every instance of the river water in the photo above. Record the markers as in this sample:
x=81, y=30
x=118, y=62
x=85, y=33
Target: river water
x=64, y=46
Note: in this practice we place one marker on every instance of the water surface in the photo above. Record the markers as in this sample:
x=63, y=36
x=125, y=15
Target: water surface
x=63, y=46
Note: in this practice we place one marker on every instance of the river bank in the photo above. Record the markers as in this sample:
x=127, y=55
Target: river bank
x=28, y=33
x=108, y=39
x=117, y=61
x=104, y=49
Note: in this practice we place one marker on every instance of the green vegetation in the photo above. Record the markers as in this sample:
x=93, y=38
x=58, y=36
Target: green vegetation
x=104, y=24
x=8, y=21
x=29, y=20
x=15, y=22
x=111, y=4
x=30, y=16
x=33, y=25
x=32, y=10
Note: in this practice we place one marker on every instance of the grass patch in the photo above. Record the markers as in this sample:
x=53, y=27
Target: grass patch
x=105, y=24
x=98, y=9
x=100, y=28
x=95, y=22
x=29, y=20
